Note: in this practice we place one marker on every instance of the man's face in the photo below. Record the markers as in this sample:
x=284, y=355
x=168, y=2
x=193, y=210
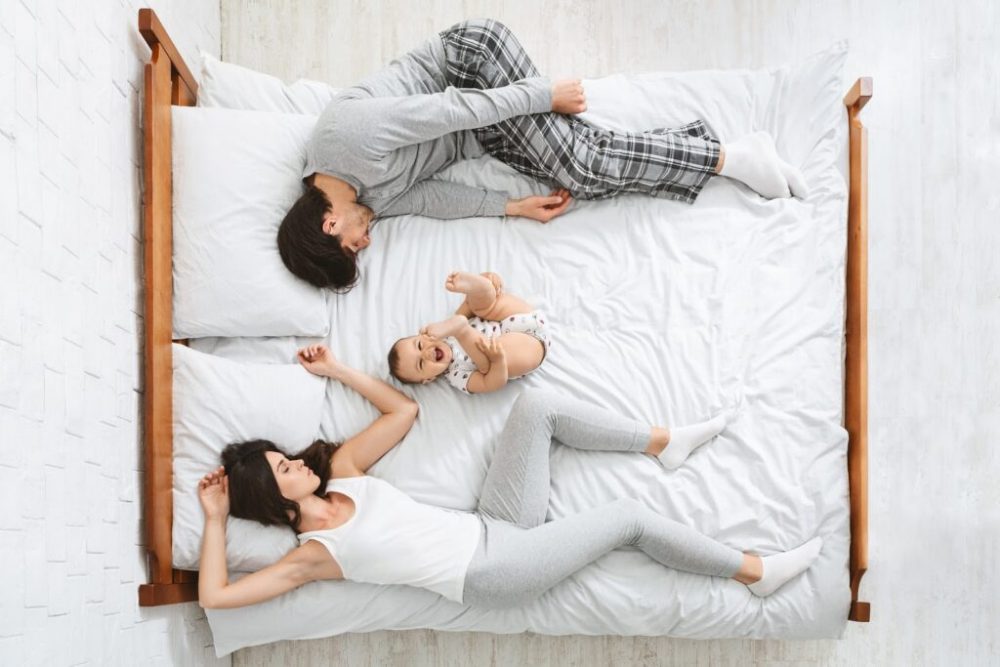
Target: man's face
x=350, y=223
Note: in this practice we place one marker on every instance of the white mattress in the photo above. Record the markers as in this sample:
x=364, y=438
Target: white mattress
x=662, y=311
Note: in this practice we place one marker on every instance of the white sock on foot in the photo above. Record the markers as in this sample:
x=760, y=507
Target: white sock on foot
x=686, y=439
x=780, y=568
x=753, y=160
x=796, y=181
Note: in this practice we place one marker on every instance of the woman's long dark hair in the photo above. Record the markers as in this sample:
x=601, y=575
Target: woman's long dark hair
x=253, y=490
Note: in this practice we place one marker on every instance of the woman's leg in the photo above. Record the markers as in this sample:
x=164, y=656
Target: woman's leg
x=590, y=162
x=516, y=565
x=517, y=483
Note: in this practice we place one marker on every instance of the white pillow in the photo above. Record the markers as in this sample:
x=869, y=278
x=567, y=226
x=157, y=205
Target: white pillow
x=231, y=86
x=216, y=402
x=236, y=174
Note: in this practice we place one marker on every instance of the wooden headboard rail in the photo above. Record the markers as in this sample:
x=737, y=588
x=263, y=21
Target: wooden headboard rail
x=856, y=359
x=168, y=81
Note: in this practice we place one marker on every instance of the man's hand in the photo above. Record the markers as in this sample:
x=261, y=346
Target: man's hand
x=568, y=97
x=541, y=208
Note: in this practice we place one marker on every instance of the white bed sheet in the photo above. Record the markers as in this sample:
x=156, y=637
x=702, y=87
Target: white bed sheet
x=662, y=311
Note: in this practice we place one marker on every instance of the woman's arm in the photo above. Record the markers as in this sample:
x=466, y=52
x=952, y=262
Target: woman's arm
x=310, y=562
x=399, y=411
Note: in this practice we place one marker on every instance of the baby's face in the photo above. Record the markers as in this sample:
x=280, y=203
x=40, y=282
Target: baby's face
x=422, y=358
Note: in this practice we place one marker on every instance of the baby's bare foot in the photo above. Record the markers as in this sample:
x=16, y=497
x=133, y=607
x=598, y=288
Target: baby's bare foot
x=468, y=283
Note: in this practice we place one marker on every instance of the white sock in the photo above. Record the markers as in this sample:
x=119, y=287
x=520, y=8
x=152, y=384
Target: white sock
x=753, y=160
x=686, y=439
x=796, y=181
x=780, y=568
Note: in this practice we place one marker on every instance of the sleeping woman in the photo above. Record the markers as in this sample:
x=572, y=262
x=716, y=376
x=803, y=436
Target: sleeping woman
x=360, y=528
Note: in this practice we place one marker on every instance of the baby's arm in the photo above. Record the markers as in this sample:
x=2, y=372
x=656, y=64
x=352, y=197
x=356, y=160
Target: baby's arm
x=469, y=339
x=496, y=377
x=458, y=326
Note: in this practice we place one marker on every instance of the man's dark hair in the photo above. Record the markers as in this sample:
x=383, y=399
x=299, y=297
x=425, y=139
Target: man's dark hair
x=309, y=252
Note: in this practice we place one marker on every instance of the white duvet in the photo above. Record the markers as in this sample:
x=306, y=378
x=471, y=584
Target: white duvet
x=662, y=311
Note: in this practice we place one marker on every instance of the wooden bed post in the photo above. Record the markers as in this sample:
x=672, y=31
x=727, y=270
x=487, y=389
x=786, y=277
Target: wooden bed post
x=167, y=81
x=856, y=362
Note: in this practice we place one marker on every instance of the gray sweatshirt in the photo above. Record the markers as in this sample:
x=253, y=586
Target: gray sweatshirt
x=389, y=135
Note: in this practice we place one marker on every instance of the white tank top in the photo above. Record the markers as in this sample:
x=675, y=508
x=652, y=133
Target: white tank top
x=393, y=539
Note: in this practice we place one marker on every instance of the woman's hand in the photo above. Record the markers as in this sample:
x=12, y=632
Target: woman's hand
x=568, y=96
x=541, y=208
x=319, y=360
x=213, y=492
x=445, y=328
x=493, y=350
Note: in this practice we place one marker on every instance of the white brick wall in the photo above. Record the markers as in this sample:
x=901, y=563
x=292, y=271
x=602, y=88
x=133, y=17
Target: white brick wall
x=70, y=324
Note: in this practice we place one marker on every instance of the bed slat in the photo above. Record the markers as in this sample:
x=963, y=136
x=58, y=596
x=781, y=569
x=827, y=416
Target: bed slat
x=856, y=361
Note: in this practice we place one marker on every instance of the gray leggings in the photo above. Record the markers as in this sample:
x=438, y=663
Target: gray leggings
x=520, y=556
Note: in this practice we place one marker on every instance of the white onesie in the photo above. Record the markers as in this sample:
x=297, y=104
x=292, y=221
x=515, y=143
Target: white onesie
x=462, y=367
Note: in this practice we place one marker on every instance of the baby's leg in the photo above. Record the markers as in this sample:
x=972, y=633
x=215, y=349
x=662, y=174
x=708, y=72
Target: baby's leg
x=524, y=353
x=505, y=306
x=481, y=291
x=484, y=296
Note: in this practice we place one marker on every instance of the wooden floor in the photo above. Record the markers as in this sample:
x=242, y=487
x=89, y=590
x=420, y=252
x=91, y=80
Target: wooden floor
x=934, y=289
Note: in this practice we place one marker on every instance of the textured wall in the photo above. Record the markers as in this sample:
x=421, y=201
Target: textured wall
x=934, y=284
x=70, y=326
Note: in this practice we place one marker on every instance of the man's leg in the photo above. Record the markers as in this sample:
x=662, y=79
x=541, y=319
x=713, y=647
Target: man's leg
x=594, y=163
x=564, y=151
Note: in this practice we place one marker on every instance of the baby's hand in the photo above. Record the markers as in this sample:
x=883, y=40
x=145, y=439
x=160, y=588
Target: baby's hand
x=492, y=348
x=318, y=360
x=445, y=328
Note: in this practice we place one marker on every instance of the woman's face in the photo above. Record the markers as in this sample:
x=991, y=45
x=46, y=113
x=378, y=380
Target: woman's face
x=350, y=223
x=294, y=478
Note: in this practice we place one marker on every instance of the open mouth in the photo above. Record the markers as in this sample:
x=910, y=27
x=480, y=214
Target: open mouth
x=438, y=354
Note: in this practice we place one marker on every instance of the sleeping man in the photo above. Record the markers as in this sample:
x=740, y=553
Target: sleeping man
x=377, y=146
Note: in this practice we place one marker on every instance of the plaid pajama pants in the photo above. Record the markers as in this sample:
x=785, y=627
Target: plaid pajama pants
x=565, y=151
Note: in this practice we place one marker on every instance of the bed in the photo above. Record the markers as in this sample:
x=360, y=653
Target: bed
x=662, y=311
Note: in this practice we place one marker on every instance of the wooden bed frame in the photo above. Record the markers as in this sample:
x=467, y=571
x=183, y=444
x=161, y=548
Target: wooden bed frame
x=168, y=81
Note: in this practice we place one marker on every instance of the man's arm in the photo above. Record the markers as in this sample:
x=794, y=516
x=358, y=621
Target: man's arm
x=388, y=123
x=446, y=200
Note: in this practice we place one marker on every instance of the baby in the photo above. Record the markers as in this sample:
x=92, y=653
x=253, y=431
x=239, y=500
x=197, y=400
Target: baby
x=493, y=337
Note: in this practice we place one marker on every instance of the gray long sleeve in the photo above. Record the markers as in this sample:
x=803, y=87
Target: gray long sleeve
x=447, y=200
x=388, y=136
x=383, y=124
